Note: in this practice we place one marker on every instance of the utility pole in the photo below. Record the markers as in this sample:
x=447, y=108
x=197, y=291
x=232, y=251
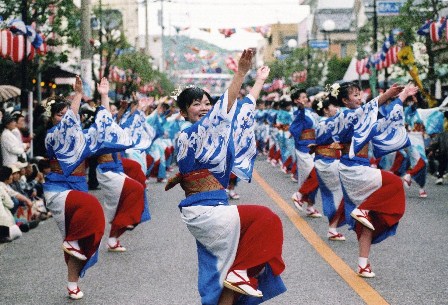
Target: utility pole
x=24, y=66
x=100, y=38
x=145, y=2
x=162, y=37
x=86, y=53
x=375, y=48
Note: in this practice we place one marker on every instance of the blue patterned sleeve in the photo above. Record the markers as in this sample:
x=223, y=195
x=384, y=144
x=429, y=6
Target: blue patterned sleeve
x=363, y=125
x=105, y=135
x=298, y=124
x=244, y=138
x=67, y=143
x=390, y=133
x=205, y=144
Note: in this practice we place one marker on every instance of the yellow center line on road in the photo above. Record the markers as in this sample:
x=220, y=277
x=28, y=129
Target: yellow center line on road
x=360, y=286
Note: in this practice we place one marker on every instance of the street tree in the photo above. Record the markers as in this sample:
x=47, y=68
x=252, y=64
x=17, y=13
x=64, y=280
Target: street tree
x=300, y=59
x=57, y=21
x=420, y=11
x=140, y=71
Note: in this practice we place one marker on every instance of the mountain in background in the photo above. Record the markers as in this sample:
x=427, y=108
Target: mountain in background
x=184, y=53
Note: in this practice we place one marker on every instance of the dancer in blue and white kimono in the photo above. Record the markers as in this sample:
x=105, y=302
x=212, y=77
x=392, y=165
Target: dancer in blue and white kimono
x=326, y=162
x=374, y=198
x=161, y=148
x=303, y=131
x=122, y=180
x=284, y=140
x=274, y=149
x=78, y=214
x=239, y=247
x=261, y=128
x=421, y=124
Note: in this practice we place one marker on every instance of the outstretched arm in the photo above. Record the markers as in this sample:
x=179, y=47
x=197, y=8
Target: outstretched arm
x=243, y=66
x=262, y=75
x=76, y=102
x=409, y=90
x=390, y=93
x=103, y=90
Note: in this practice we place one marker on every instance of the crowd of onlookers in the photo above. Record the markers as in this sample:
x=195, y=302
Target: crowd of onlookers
x=21, y=178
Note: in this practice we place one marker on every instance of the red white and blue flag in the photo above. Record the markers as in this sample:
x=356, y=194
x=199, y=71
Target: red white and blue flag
x=436, y=29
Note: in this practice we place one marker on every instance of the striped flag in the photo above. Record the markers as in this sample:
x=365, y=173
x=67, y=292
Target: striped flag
x=43, y=49
x=424, y=29
x=5, y=43
x=17, y=51
x=361, y=66
x=436, y=29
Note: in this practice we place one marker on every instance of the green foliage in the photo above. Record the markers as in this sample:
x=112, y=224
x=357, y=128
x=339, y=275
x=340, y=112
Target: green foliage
x=300, y=59
x=141, y=66
x=336, y=68
x=63, y=29
x=412, y=16
x=137, y=62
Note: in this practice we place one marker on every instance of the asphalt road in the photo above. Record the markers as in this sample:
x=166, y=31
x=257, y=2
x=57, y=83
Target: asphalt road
x=160, y=266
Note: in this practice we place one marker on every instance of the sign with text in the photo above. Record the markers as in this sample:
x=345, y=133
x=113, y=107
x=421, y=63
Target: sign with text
x=388, y=8
x=318, y=44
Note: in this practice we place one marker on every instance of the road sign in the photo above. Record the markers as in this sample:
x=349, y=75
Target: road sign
x=318, y=44
x=388, y=8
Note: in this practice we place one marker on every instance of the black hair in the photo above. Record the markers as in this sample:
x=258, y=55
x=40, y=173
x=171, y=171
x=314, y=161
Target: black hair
x=326, y=102
x=57, y=104
x=344, y=91
x=188, y=96
x=5, y=173
x=165, y=106
x=295, y=93
x=17, y=116
x=284, y=104
x=43, y=164
x=7, y=118
x=212, y=100
x=260, y=102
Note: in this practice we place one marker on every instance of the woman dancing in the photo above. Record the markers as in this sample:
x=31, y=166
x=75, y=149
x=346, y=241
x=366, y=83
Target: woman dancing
x=239, y=247
x=78, y=214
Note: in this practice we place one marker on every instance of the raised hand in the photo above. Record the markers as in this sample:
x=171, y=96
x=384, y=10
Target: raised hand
x=77, y=86
x=143, y=104
x=245, y=61
x=103, y=87
x=263, y=73
x=394, y=90
x=409, y=90
x=390, y=93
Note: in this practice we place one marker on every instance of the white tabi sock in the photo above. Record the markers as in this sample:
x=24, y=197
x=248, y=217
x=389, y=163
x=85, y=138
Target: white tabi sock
x=362, y=261
x=72, y=285
x=74, y=244
x=112, y=241
x=333, y=230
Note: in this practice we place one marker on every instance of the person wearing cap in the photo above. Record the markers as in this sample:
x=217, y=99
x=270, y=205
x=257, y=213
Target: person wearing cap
x=12, y=147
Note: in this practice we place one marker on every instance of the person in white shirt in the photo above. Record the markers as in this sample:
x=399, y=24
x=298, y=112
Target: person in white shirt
x=12, y=147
